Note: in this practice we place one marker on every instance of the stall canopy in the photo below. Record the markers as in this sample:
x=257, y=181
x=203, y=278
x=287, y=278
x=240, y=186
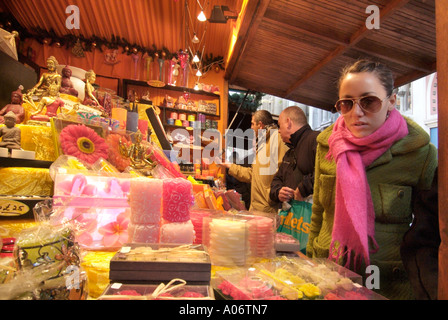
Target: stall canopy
x=295, y=49
x=290, y=49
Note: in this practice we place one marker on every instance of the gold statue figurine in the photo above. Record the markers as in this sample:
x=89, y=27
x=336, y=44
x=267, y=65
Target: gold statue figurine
x=137, y=154
x=52, y=77
x=89, y=97
x=52, y=103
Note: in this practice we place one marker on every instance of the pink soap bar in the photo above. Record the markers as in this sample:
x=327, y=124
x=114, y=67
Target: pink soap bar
x=177, y=232
x=177, y=198
x=145, y=200
x=261, y=236
x=143, y=233
x=197, y=217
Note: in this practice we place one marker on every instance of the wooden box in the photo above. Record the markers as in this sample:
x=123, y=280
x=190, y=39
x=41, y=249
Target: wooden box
x=169, y=291
x=153, y=263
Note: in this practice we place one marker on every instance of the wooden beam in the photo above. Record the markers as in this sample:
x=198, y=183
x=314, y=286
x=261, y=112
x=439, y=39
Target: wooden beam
x=249, y=25
x=396, y=56
x=361, y=33
x=442, y=84
x=414, y=75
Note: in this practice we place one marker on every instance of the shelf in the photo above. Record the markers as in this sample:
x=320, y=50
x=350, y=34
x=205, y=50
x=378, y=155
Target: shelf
x=173, y=126
x=190, y=111
x=171, y=88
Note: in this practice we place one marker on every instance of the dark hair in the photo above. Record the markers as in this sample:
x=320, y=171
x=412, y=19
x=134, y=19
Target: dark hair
x=264, y=116
x=383, y=73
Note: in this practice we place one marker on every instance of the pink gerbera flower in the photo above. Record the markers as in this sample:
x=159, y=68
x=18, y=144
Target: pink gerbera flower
x=83, y=142
x=115, y=234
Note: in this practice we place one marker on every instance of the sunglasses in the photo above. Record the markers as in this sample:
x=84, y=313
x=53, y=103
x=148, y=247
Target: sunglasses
x=371, y=104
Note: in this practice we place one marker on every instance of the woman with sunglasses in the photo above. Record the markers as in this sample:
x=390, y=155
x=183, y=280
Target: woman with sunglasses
x=376, y=174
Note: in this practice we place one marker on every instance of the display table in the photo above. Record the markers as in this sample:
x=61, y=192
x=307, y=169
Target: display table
x=24, y=181
x=38, y=139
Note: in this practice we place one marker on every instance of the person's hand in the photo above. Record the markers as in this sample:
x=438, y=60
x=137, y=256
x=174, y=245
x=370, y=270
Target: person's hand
x=285, y=194
x=298, y=195
x=225, y=165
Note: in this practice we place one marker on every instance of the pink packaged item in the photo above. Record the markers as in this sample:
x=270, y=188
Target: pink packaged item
x=145, y=200
x=177, y=232
x=143, y=233
x=177, y=199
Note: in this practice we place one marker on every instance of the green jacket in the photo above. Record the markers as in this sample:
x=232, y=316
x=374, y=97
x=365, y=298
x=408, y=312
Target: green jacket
x=407, y=167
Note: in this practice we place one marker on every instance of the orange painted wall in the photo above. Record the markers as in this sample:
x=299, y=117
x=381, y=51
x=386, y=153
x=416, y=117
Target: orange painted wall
x=124, y=69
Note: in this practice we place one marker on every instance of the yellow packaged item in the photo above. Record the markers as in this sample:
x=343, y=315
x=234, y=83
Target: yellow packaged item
x=96, y=264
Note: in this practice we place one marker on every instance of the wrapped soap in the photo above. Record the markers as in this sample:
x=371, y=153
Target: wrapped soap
x=46, y=244
x=177, y=199
x=143, y=233
x=227, y=240
x=177, y=232
x=145, y=200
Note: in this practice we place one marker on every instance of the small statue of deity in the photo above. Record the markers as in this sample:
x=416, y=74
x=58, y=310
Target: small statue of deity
x=52, y=102
x=52, y=77
x=89, y=98
x=15, y=106
x=89, y=90
x=67, y=84
x=10, y=134
x=137, y=154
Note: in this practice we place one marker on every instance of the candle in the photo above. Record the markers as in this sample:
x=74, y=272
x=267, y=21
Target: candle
x=145, y=200
x=228, y=242
x=143, y=233
x=132, y=121
x=177, y=198
x=197, y=217
x=177, y=232
x=261, y=236
x=143, y=127
x=120, y=114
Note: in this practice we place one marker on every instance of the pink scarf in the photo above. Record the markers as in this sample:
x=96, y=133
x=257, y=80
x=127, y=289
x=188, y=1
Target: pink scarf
x=354, y=217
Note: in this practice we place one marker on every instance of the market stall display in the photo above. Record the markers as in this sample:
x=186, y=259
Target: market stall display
x=122, y=221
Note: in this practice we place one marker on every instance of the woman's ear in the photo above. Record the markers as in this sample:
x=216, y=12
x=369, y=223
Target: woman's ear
x=392, y=101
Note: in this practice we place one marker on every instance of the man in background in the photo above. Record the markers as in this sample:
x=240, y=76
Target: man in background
x=295, y=176
x=269, y=151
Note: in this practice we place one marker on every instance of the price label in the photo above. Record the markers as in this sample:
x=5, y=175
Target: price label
x=10, y=208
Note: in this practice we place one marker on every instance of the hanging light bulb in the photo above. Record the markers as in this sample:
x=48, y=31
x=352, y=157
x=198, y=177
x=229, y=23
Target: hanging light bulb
x=196, y=86
x=196, y=58
x=199, y=73
x=201, y=16
x=195, y=39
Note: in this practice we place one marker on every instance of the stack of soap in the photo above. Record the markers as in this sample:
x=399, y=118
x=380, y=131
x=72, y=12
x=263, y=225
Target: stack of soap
x=177, y=199
x=145, y=199
x=176, y=224
x=177, y=232
x=262, y=236
x=228, y=242
x=197, y=217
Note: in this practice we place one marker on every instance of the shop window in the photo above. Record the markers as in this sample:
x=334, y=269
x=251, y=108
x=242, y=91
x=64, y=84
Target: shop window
x=434, y=136
x=404, y=99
